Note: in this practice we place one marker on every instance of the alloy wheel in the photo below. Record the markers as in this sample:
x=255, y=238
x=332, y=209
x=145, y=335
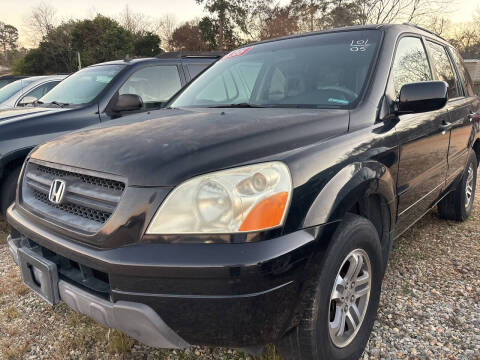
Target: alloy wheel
x=469, y=187
x=349, y=298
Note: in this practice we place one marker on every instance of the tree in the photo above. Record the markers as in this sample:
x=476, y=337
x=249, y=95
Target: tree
x=8, y=37
x=229, y=14
x=279, y=21
x=209, y=28
x=8, y=41
x=165, y=27
x=101, y=39
x=342, y=13
x=389, y=11
x=41, y=21
x=147, y=45
x=134, y=22
x=188, y=37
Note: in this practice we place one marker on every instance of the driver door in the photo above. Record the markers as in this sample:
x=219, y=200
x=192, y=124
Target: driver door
x=422, y=137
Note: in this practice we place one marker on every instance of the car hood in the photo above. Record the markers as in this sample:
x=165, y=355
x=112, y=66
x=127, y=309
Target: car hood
x=21, y=113
x=180, y=144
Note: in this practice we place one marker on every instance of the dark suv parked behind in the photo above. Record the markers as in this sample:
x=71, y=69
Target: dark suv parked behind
x=91, y=97
x=261, y=205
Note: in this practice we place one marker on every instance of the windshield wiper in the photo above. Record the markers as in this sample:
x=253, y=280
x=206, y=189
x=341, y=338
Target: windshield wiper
x=238, y=105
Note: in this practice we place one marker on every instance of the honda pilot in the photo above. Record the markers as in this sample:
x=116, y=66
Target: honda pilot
x=261, y=205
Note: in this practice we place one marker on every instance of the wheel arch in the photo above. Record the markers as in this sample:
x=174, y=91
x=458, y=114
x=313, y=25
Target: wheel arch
x=364, y=188
x=13, y=160
x=476, y=149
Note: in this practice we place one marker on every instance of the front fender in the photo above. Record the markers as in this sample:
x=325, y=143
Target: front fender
x=14, y=156
x=347, y=187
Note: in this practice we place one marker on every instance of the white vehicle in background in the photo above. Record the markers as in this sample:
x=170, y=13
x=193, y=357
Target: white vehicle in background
x=26, y=91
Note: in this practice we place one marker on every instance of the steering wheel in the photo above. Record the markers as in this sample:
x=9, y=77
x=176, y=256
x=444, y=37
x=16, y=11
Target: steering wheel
x=351, y=95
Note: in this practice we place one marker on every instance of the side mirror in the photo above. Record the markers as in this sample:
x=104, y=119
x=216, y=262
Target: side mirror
x=27, y=100
x=422, y=97
x=127, y=102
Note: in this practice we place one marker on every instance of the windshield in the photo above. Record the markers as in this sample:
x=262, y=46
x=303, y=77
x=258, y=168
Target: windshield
x=5, y=82
x=83, y=86
x=325, y=70
x=12, y=88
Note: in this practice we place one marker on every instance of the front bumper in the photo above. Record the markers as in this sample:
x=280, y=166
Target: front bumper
x=234, y=295
x=135, y=319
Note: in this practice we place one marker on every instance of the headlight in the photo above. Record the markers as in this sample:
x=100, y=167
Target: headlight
x=243, y=199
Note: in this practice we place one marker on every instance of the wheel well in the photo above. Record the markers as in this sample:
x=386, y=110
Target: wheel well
x=13, y=164
x=374, y=207
x=476, y=148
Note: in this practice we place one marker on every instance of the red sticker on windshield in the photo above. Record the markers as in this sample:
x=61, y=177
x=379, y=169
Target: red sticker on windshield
x=236, y=53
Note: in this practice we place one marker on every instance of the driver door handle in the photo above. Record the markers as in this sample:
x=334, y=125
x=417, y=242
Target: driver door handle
x=446, y=126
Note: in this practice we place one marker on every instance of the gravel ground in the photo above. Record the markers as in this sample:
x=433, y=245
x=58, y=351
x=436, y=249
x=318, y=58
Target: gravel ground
x=429, y=309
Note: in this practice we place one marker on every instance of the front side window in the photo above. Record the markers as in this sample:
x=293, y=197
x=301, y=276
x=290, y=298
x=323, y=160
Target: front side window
x=12, y=88
x=154, y=84
x=443, y=68
x=83, y=86
x=410, y=64
x=318, y=71
x=41, y=90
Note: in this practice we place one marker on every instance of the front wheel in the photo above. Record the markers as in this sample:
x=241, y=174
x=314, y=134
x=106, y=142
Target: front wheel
x=341, y=309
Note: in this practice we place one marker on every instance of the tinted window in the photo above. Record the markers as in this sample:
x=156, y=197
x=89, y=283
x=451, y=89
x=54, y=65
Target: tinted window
x=327, y=70
x=83, y=86
x=195, y=69
x=12, y=88
x=154, y=84
x=410, y=64
x=41, y=90
x=443, y=68
x=4, y=82
x=464, y=75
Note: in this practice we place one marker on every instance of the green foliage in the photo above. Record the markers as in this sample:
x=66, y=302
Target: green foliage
x=98, y=40
x=230, y=15
x=147, y=44
x=209, y=29
x=101, y=39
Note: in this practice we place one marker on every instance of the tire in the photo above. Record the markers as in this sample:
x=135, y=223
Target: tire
x=9, y=189
x=312, y=338
x=458, y=205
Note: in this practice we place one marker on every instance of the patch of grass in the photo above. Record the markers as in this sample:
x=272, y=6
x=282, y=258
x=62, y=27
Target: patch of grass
x=14, y=351
x=118, y=343
x=11, y=313
x=269, y=353
x=21, y=289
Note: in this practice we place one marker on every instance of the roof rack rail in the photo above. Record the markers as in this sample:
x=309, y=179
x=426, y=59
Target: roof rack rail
x=423, y=29
x=192, y=54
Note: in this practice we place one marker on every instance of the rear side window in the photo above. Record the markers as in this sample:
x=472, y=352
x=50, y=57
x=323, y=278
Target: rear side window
x=195, y=69
x=154, y=84
x=464, y=75
x=443, y=68
x=410, y=64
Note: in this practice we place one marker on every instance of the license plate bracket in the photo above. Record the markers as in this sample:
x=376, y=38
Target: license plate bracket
x=39, y=274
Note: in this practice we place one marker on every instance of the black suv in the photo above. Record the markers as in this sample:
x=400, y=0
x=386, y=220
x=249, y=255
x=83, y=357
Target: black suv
x=261, y=204
x=91, y=97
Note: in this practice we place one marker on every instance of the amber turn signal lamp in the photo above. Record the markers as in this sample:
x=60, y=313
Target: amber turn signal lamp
x=266, y=214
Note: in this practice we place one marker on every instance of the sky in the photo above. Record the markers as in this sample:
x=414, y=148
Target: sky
x=15, y=12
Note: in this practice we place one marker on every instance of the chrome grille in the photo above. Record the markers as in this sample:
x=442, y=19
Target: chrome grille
x=88, y=203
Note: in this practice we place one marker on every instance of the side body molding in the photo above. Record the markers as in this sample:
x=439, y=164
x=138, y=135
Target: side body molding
x=348, y=186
